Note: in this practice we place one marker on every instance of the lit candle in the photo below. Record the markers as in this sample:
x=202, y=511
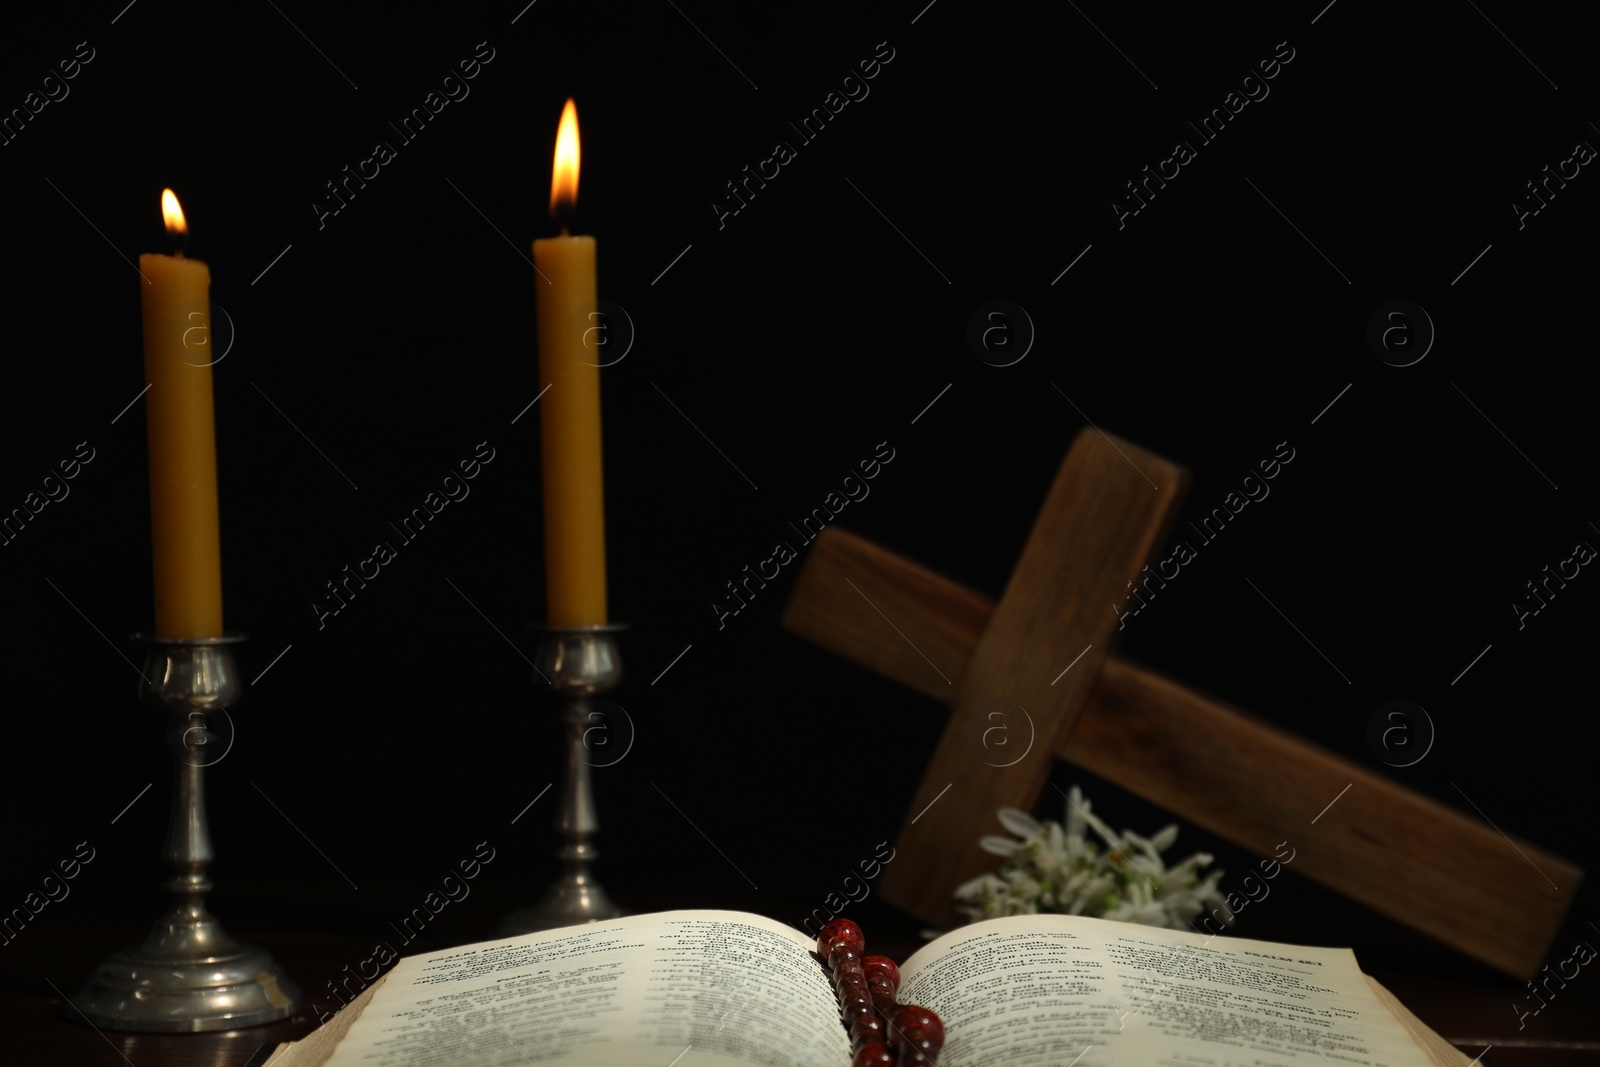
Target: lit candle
x=183, y=457
x=569, y=414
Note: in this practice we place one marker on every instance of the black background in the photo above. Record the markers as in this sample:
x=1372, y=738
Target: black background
x=818, y=322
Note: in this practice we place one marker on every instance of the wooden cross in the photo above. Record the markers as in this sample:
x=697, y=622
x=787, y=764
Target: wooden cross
x=1394, y=850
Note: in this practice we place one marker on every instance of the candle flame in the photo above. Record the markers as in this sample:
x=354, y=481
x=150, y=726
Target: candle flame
x=564, y=179
x=173, y=213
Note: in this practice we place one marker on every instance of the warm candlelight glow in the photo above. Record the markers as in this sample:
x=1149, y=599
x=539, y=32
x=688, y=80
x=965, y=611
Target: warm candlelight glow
x=569, y=418
x=173, y=213
x=564, y=180
x=185, y=543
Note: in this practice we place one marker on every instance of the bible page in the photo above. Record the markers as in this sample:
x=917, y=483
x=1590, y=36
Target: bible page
x=686, y=988
x=1062, y=990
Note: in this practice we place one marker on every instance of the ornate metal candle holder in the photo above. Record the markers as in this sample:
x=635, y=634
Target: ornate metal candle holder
x=581, y=663
x=189, y=975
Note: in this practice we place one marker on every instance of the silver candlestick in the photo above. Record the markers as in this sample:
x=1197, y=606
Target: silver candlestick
x=580, y=663
x=189, y=975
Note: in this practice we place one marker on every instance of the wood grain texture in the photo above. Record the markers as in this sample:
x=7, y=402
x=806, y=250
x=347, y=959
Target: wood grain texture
x=1109, y=509
x=847, y=591
x=1402, y=854
x=1393, y=850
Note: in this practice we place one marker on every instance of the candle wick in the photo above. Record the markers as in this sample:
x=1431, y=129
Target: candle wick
x=564, y=214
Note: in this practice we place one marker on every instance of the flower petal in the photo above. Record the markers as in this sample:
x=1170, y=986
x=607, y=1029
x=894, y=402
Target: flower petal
x=1019, y=822
x=997, y=845
x=976, y=886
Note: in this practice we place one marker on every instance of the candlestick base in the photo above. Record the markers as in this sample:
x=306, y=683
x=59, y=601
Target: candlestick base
x=572, y=900
x=580, y=663
x=187, y=979
x=188, y=975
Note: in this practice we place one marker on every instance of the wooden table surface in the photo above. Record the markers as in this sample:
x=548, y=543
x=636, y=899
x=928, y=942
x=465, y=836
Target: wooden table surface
x=1470, y=1006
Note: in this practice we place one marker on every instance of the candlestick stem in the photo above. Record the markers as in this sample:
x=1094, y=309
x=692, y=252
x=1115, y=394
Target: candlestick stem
x=189, y=975
x=580, y=663
x=188, y=845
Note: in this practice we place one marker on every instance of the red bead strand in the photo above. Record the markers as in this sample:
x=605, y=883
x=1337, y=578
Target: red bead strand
x=883, y=1032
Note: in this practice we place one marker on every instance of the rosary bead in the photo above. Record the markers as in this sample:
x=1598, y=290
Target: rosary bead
x=882, y=965
x=851, y=999
x=840, y=930
x=912, y=1024
x=867, y=1029
x=875, y=1054
x=840, y=953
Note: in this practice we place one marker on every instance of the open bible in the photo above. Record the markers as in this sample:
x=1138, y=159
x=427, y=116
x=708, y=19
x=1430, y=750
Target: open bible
x=727, y=989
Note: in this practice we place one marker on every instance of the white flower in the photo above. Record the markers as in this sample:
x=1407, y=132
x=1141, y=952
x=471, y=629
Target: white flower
x=1000, y=846
x=1018, y=822
x=1054, y=868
